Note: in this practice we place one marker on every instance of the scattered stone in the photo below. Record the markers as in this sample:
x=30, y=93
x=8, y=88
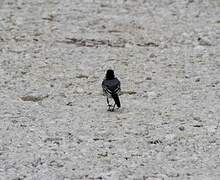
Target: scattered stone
x=34, y=98
x=85, y=42
x=103, y=154
x=69, y=134
x=152, y=55
x=23, y=125
x=215, y=83
x=37, y=34
x=135, y=154
x=23, y=72
x=197, y=119
x=212, y=141
x=85, y=177
x=204, y=42
x=16, y=51
x=173, y=159
x=155, y=141
x=197, y=80
x=37, y=162
x=181, y=128
x=53, y=140
x=55, y=164
x=82, y=76
x=198, y=125
x=148, y=44
x=129, y=92
x=14, y=121
x=20, y=178
x=98, y=139
x=159, y=94
x=69, y=104
x=149, y=78
x=79, y=141
x=120, y=43
x=114, y=31
x=111, y=140
x=49, y=18
x=138, y=82
x=100, y=177
x=68, y=85
x=188, y=174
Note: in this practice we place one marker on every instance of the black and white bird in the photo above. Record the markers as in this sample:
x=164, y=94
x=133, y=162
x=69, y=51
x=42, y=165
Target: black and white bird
x=111, y=88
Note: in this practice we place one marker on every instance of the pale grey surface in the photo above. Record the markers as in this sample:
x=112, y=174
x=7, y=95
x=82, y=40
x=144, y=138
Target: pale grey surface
x=53, y=119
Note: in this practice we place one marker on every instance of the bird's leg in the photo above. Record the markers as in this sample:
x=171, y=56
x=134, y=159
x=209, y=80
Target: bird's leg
x=113, y=108
x=109, y=106
x=107, y=101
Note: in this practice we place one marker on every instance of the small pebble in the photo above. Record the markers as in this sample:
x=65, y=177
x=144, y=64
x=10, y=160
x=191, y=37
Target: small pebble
x=197, y=80
x=197, y=119
x=152, y=55
x=181, y=128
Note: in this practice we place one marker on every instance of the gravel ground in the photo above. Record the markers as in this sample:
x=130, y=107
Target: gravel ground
x=54, y=123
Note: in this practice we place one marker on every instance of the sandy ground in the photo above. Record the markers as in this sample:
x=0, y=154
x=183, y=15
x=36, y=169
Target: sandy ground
x=54, y=123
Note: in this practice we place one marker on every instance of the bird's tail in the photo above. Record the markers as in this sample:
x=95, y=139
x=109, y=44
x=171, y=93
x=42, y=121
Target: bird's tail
x=116, y=99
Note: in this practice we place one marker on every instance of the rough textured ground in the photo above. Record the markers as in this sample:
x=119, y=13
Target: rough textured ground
x=53, y=119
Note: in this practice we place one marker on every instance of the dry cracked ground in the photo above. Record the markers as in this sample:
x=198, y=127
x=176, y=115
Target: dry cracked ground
x=54, y=123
